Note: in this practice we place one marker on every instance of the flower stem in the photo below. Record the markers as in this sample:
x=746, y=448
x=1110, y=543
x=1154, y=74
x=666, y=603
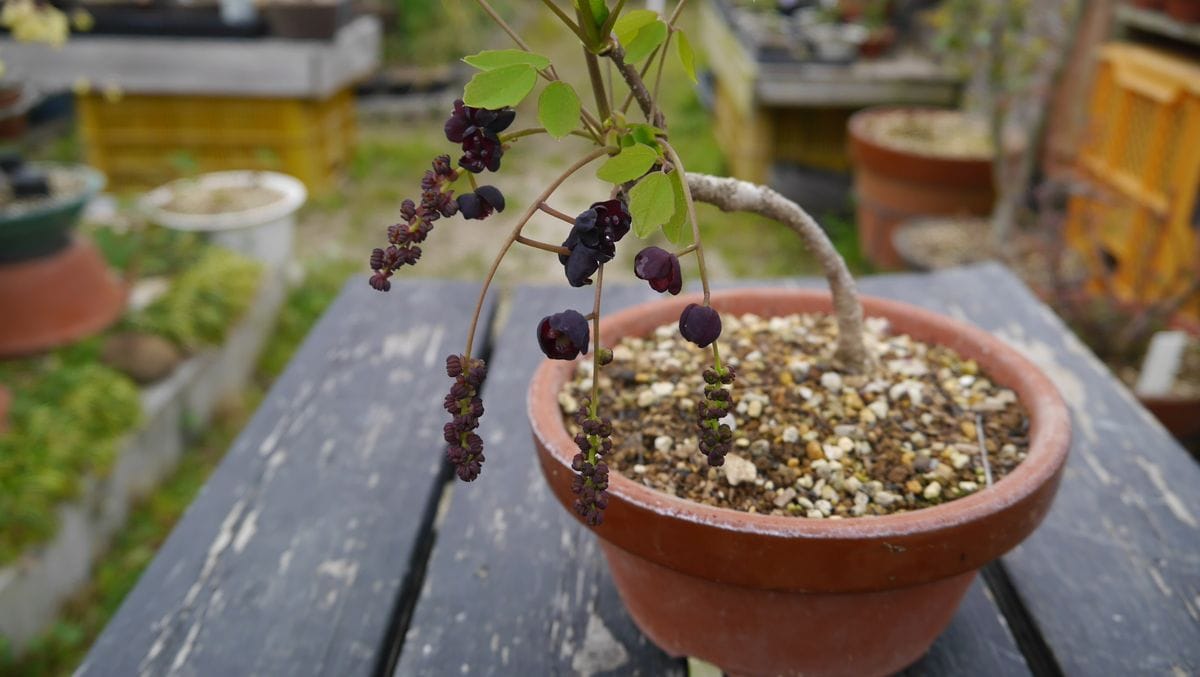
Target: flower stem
x=691, y=209
x=513, y=136
x=555, y=213
x=595, y=402
x=516, y=232
x=593, y=66
x=686, y=250
x=544, y=246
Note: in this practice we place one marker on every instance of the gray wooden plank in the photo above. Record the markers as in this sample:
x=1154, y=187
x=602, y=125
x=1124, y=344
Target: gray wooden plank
x=291, y=559
x=1112, y=578
x=515, y=585
x=977, y=642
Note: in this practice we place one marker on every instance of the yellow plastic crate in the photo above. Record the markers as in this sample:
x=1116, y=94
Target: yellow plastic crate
x=1141, y=156
x=139, y=140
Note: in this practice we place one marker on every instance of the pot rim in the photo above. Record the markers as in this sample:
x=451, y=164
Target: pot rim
x=1049, y=439
x=153, y=204
x=859, y=119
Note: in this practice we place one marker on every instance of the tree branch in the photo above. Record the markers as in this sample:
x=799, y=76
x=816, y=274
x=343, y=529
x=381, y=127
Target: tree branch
x=741, y=196
x=637, y=87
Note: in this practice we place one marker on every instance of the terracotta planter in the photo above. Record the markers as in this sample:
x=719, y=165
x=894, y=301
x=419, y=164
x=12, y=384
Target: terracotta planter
x=1149, y=4
x=893, y=185
x=772, y=595
x=1187, y=11
x=54, y=300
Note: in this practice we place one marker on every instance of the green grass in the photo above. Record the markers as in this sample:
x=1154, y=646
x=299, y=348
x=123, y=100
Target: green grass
x=59, y=650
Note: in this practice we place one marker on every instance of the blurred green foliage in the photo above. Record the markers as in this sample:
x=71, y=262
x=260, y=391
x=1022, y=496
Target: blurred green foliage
x=203, y=302
x=435, y=33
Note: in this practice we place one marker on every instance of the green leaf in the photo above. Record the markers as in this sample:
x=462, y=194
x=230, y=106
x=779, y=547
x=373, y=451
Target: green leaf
x=645, y=134
x=631, y=163
x=492, y=59
x=630, y=23
x=651, y=203
x=676, y=228
x=599, y=11
x=558, y=109
x=649, y=37
x=504, y=86
x=686, y=56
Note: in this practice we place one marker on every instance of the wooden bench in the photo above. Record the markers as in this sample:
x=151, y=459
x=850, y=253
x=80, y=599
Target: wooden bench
x=330, y=540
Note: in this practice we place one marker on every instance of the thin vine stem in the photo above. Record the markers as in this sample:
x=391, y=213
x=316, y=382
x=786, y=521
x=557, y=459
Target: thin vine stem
x=513, y=136
x=544, y=246
x=691, y=210
x=516, y=232
x=594, y=405
x=555, y=213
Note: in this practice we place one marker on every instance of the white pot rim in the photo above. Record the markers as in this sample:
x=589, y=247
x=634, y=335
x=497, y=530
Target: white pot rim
x=153, y=204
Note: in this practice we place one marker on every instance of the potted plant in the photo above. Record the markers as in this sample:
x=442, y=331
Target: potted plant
x=974, y=162
x=54, y=287
x=771, y=473
x=251, y=212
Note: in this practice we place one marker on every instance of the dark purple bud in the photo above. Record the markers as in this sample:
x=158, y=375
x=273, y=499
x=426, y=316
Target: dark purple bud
x=380, y=281
x=454, y=366
x=563, y=336
x=660, y=268
x=442, y=167
x=700, y=324
x=376, y=259
x=408, y=210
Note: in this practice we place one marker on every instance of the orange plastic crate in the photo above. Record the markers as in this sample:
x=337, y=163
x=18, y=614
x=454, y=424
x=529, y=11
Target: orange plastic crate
x=139, y=140
x=1141, y=156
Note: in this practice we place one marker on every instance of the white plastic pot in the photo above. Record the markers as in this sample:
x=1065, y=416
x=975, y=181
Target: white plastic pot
x=263, y=233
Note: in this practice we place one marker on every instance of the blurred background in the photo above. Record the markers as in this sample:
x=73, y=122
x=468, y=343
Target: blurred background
x=186, y=186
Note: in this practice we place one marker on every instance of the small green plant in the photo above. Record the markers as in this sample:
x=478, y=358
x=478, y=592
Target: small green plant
x=204, y=301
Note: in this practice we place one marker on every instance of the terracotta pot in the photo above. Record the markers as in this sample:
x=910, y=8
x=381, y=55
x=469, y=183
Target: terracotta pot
x=893, y=185
x=1187, y=11
x=53, y=300
x=773, y=595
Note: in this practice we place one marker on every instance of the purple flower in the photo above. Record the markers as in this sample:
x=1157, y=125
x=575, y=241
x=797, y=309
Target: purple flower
x=563, y=336
x=700, y=324
x=478, y=130
x=592, y=240
x=660, y=268
x=481, y=203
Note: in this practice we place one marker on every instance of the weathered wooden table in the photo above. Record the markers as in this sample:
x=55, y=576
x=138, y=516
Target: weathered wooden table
x=330, y=540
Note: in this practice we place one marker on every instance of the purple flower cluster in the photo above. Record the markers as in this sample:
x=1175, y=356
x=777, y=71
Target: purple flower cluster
x=716, y=438
x=465, y=408
x=436, y=202
x=478, y=130
x=593, y=239
x=591, y=484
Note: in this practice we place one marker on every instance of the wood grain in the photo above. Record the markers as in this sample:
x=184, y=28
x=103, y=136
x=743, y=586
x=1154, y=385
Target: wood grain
x=291, y=559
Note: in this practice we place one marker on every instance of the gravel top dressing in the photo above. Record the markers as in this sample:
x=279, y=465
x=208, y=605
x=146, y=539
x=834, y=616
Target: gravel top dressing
x=808, y=441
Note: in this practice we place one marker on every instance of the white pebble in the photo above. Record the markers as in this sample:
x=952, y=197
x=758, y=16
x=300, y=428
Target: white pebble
x=959, y=461
x=853, y=484
x=846, y=444
x=687, y=404
x=791, y=434
x=805, y=503
x=932, y=491
x=814, y=514
x=833, y=452
x=829, y=493
x=805, y=393
x=879, y=407
x=885, y=498
x=662, y=388
x=805, y=482
x=664, y=443
x=754, y=409
x=968, y=486
x=646, y=398
x=784, y=497
x=831, y=381
x=738, y=470
x=622, y=353
x=824, y=506
x=755, y=356
x=568, y=403
x=639, y=469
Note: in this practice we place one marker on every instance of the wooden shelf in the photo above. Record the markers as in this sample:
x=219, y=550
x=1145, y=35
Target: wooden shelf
x=1151, y=21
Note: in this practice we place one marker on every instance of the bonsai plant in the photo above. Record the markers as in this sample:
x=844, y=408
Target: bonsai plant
x=892, y=456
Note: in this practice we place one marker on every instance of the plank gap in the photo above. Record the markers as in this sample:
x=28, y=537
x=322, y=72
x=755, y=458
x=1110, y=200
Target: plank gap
x=414, y=577
x=1038, y=655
